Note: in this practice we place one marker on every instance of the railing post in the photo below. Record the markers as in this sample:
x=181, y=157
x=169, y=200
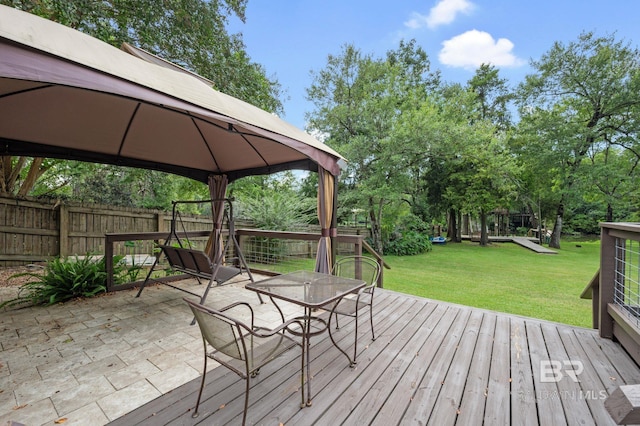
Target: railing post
x=607, y=281
x=240, y=240
x=358, y=246
x=108, y=261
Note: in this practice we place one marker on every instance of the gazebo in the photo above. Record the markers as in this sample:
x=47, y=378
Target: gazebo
x=64, y=94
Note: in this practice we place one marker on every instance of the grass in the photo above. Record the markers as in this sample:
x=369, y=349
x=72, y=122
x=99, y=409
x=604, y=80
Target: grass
x=502, y=277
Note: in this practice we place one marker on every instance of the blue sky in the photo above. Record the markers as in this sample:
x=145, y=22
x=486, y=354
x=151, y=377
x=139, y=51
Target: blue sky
x=292, y=37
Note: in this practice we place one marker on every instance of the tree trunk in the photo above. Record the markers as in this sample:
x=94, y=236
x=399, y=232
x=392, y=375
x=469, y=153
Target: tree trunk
x=10, y=174
x=459, y=230
x=35, y=171
x=609, y=217
x=452, y=225
x=533, y=217
x=554, y=242
x=376, y=233
x=484, y=236
x=466, y=227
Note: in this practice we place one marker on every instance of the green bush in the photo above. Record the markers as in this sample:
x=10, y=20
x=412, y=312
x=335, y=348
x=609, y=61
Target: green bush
x=409, y=238
x=408, y=244
x=66, y=279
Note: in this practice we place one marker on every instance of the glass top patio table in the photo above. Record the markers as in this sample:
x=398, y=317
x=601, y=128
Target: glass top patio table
x=306, y=288
x=310, y=290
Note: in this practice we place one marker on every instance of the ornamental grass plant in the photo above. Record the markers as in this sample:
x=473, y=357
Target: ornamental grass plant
x=64, y=279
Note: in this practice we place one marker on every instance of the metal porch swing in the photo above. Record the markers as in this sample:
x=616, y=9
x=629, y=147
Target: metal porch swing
x=182, y=257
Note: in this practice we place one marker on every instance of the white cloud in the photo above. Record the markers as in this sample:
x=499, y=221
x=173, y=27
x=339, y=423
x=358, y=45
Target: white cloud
x=474, y=48
x=444, y=12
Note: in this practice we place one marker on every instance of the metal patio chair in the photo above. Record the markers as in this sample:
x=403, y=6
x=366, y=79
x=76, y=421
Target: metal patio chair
x=243, y=348
x=361, y=268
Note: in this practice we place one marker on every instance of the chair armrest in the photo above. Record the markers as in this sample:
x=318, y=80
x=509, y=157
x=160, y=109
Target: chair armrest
x=235, y=305
x=226, y=308
x=267, y=332
x=358, y=293
x=258, y=330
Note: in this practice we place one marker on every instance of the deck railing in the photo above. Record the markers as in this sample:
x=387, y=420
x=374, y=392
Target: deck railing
x=266, y=252
x=616, y=294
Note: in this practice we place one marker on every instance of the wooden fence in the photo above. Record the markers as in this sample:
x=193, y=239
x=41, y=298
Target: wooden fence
x=34, y=231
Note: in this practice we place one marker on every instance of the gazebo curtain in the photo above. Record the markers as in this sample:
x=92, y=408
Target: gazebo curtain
x=217, y=191
x=326, y=190
x=326, y=193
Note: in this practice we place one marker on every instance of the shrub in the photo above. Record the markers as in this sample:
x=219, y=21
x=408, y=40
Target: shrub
x=409, y=238
x=408, y=243
x=66, y=279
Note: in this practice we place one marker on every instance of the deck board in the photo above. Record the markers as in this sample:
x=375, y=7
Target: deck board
x=454, y=382
x=590, y=383
x=432, y=363
x=523, y=394
x=476, y=390
x=496, y=410
x=388, y=384
x=576, y=410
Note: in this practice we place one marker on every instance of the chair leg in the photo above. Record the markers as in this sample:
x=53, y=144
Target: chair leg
x=355, y=343
x=302, y=375
x=246, y=402
x=204, y=376
x=373, y=336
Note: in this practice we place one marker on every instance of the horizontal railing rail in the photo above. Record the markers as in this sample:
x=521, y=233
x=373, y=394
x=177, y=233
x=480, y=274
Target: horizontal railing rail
x=267, y=252
x=157, y=237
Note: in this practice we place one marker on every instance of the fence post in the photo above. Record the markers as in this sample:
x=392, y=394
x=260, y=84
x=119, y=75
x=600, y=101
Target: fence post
x=160, y=222
x=63, y=230
x=108, y=261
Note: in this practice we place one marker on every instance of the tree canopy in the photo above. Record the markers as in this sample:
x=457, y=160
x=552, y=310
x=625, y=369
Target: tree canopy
x=583, y=99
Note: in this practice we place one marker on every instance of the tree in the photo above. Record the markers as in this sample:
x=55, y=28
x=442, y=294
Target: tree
x=609, y=177
x=478, y=173
x=491, y=98
x=358, y=101
x=581, y=94
x=191, y=33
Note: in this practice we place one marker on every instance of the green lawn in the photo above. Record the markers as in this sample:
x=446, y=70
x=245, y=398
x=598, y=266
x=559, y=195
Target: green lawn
x=502, y=277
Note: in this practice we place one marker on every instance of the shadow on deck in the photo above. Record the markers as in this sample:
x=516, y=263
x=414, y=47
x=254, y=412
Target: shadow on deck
x=432, y=363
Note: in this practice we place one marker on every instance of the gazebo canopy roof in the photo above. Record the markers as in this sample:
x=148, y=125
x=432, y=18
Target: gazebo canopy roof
x=64, y=94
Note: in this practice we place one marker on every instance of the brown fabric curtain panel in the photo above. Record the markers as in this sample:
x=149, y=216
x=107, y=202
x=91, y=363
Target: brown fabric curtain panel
x=325, y=217
x=217, y=191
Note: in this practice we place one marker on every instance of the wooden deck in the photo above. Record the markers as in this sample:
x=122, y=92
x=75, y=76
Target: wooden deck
x=432, y=363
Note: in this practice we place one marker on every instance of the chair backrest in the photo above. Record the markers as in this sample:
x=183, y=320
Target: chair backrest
x=219, y=330
x=358, y=267
x=189, y=260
